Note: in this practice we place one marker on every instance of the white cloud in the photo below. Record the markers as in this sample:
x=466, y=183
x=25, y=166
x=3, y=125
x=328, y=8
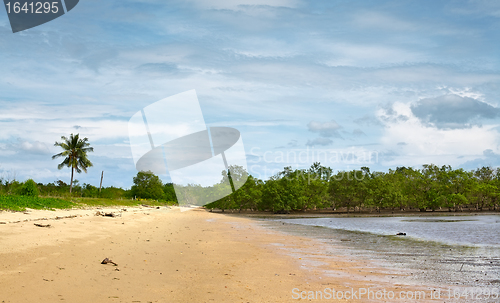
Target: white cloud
x=453, y=111
x=428, y=144
x=477, y=7
x=34, y=147
x=325, y=129
x=236, y=4
x=370, y=55
x=383, y=21
x=265, y=47
x=319, y=142
x=466, y=92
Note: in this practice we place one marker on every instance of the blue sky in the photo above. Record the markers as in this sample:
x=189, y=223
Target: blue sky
x=366, y=83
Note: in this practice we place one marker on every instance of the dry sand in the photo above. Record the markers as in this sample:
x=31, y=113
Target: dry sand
x=165, y=255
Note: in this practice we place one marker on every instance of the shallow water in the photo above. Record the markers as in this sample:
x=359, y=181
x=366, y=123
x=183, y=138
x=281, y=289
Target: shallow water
x=458, y=251
x=464, y=230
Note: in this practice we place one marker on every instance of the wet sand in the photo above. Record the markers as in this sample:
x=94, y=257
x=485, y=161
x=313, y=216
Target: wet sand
x=165, y=255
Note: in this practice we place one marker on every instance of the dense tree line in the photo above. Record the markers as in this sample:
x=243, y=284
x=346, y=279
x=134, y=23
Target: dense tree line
x=405, y=188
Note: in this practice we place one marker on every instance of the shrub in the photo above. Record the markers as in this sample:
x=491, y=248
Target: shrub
x=14, y=187
x=147, y=186
x=29, y=188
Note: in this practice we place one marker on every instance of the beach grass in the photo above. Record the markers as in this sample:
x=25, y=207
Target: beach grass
x=96, y=202
x=21, y=203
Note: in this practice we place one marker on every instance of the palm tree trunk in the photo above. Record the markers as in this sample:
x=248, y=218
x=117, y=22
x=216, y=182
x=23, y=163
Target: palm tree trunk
x=71, y=184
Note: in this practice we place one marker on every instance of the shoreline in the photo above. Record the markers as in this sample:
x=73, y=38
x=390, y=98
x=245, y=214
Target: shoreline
x=330, y=214
x=165, y=255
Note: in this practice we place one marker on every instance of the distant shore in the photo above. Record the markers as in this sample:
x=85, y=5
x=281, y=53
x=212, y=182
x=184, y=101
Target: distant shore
x=329, y=213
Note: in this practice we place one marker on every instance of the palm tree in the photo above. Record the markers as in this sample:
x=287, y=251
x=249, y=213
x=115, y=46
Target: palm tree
x=75, y=151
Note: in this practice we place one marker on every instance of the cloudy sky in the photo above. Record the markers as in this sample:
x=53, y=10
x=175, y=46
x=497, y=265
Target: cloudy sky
x=350, y=83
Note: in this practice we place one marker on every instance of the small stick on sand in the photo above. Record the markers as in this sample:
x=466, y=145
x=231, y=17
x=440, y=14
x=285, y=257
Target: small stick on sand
x=106, y=261
x=42, y=225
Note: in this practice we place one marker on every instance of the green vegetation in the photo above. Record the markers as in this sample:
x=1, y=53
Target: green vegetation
x=147, y=186
x=75, y=152
x=29, y=188
x=94, y=202
x=18, y=196
x=405, y=188
x=20, y=203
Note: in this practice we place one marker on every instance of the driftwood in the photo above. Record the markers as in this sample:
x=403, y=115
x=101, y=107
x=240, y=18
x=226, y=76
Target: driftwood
x=42, y=225
x=65, y=217
x=100, y=213
x=107, y=260
x=149, y=206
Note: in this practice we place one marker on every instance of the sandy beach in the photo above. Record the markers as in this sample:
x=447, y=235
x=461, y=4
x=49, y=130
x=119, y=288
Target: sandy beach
x=165, y=255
